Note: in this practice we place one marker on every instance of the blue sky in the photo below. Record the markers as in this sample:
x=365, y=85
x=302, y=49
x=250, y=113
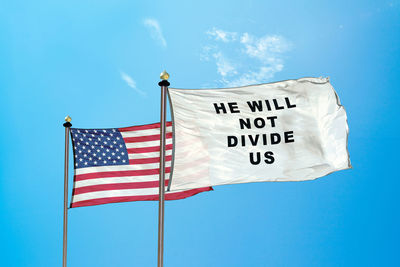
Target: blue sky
x=99, y=62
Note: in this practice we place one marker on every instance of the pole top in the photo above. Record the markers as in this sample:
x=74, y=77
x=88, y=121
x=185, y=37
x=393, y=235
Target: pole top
x=164, y=75
x=67, y=122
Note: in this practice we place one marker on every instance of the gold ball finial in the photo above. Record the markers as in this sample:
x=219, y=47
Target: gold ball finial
x=164, y=75
x=68, y=119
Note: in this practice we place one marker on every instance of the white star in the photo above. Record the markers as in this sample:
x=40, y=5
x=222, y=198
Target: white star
x=81, y=139
x=80, y=159
x=118, y=157
x=84, y=135
x=80, y=151
x=90, y=139
x=92, y=147
x=99, y=158
x=105, y=142
x=108, y=150
x=94, y=154
x=115, y=142
x=95, y=143
x=104, y=154
x=108, y=138
x=98, y=150
x=89, y=151
x=102, y=146
x=122, y=153
x=78, y=131
x=95, y=162
x=109, y=157
x=111, y=134
x=117, y=138
x=120, y=145
x=76, y=156
x=114, y=161
x=114, y=130
x=83, y=147
x=101, y=135
x=76, y=164
x=113, y=153
x=117, y=149
x=111, y=146
x=84, y=155
x=104, y=131
x=85, y=163
x=95, y=131
x=105, y=162
x=86, y=131
x=123, y=160
x=90, y=159
x=93, y=135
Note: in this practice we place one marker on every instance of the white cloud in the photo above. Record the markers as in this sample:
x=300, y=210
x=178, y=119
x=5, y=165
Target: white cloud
x=264, y=48
x=224, y=66
x=245, y=60
x=131, y=83
x=205, y=54
x=155, y=31
x=254, y=77
x=221, y=35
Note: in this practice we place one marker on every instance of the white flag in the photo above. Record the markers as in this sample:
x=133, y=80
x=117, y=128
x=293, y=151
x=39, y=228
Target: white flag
x=292, y=130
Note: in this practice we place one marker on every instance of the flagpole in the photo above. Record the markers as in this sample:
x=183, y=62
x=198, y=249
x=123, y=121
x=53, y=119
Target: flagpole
x=164, y=85
x=67, y=126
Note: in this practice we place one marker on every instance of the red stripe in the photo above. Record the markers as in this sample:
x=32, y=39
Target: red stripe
x=145, y=138
x=147, y=149
x=148, y=160
x=95, y=175
x=168, y=196
x=144, y=127
x=105, y=187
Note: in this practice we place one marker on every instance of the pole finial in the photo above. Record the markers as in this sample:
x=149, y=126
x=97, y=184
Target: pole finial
x=67, y=123
x=164, y=75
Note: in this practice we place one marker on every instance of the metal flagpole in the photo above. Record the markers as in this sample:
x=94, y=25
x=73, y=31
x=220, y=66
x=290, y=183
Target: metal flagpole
x=67, y=125
x=164, y=85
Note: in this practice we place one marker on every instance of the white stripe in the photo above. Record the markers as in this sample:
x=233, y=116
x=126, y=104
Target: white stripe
x=168, y=152
x=119, y=180
x=147, y=144
x=120, y=168
x=117, y=193
x=144, y=132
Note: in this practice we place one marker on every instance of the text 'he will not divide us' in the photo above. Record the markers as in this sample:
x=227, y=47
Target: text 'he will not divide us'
x=265, y=139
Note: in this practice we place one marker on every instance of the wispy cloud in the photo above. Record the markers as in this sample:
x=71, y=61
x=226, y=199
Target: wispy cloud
x=253, y=77
x=224, y=66
x=221, y=35
x=264, y=48
x=155, y=31
x=242, y=58
x=131, y=83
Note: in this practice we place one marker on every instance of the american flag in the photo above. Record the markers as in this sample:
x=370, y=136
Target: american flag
x=121, y=164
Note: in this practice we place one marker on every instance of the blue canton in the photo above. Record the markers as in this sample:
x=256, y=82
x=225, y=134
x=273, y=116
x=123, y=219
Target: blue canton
x=98, y=147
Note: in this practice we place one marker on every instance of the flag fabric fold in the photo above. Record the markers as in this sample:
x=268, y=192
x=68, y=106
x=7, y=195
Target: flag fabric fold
x=121, y=164
x=292, y=130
